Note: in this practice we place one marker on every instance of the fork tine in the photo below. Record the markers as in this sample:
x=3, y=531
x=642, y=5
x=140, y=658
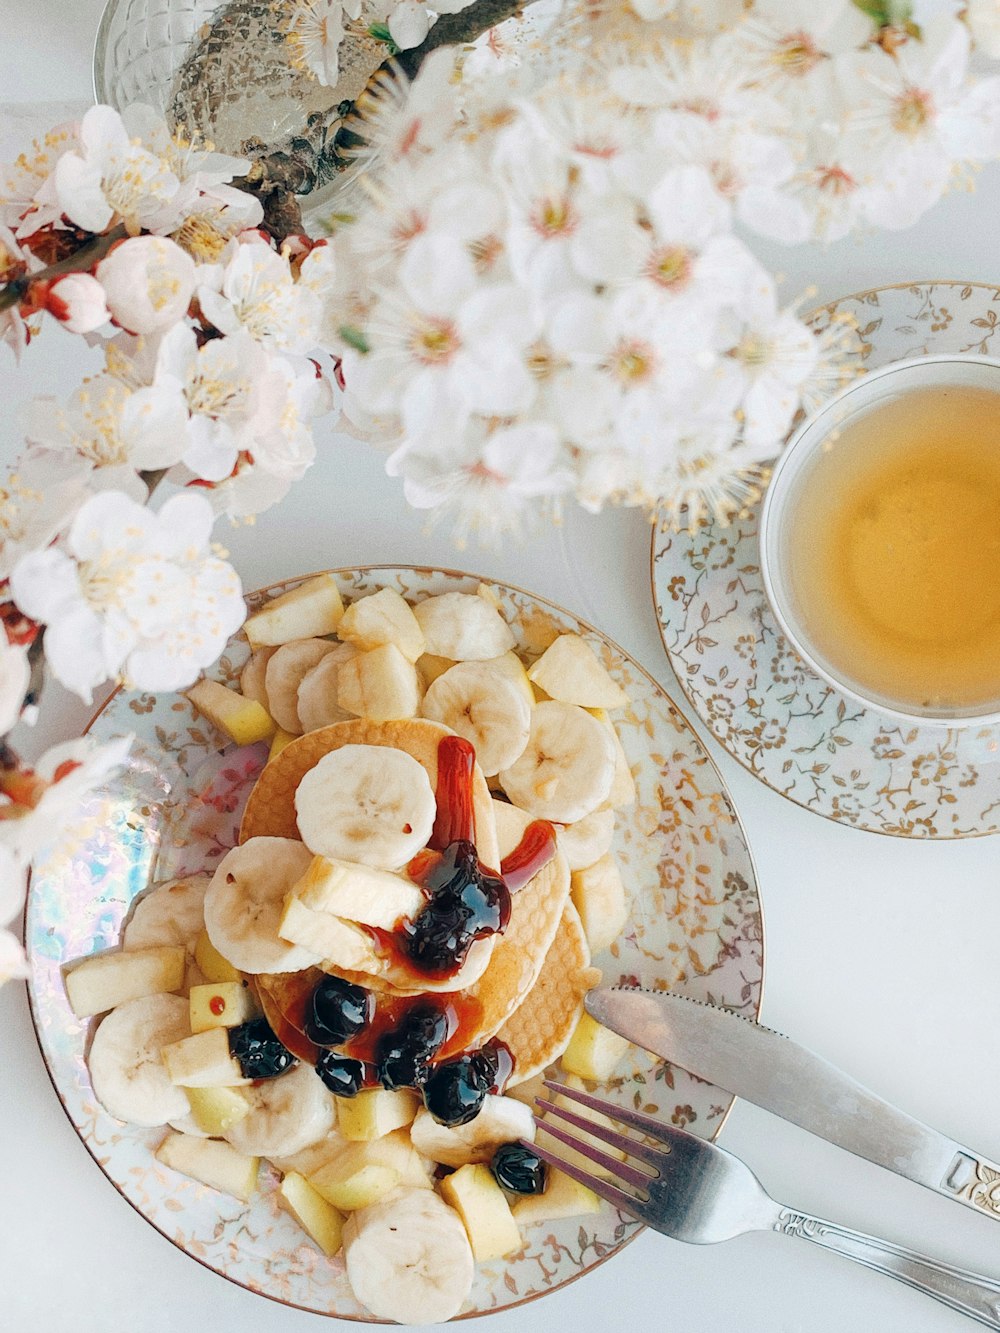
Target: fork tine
x=622, y=1142
x=619, y=1198
x=644, y=1123
x=614, y=1165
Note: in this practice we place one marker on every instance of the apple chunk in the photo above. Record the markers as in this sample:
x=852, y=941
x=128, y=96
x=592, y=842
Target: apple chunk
x=243, y=720
x=106, y=980
x=203, y=1061
x=212, y=1162
x=311, y=610
x=220, y=1004
x=484, y=1210
x=317, y=1218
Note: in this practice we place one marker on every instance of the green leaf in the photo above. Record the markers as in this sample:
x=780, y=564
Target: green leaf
x=381, y=33
x=889, y=13
x=354, y=338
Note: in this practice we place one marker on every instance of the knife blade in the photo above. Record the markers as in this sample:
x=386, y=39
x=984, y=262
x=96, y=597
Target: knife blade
x=778, y=1074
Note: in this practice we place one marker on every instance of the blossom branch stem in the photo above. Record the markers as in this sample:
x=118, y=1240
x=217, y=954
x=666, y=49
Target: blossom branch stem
x=80, y=261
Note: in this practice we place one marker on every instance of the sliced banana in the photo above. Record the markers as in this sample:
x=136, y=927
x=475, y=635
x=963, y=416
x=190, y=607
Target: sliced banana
x=463, y=626
x=567, y=767
x=288, y=1113
x=500, y=1120
x=367, y=803
x=317, y=697
x=169, y=913
x=479, y=703
x=126, y=1072
x=253, y=676
x=587, y=840
x=244, y=903
x=283, y=675
x=408, y=1258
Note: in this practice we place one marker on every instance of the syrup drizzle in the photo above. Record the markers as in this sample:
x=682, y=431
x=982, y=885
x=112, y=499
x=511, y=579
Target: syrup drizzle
x=456, y=818
x=535, y=850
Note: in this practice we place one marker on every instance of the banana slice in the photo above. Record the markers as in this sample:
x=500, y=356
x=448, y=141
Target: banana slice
x=170, y=913
x=317, y=697
x=408, y=1258
x=288, y=1113
x=126, y=1072
x=587, y=840
x=253, y=676
x=500, y=1120
x=366, y=803
x=567, y=767
x=479, y=703
x=463, y=626
x=244, y=903
x=283, y=675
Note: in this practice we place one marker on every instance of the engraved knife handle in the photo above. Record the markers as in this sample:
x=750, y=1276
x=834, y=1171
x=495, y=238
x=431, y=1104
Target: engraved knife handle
x=974, y=1181
x=969, y=1293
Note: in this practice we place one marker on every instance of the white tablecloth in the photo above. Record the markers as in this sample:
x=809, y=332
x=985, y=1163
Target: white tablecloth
x=881, y=954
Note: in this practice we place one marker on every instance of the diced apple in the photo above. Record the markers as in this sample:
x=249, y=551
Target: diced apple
x=382, y=617
x=211, y=963
x=381, y=685
x=563, y=1197
x=220, y=1004
x=317, y=1218
x=511, y=822
x=599, y=896
x=311, y=610
x=212, y=1162
x=484, y=1210
x=106, y=980
x=510, y=666
x=349, y=1186
x=362, y=1172
x=279, y=740
x=358, y=893
x=203, y=1061
x=429, y=667
x=243, y=720
x=593, y=1051
x=214, y=1110
x=375, y=1112
x=570, y=671
x=342, y=943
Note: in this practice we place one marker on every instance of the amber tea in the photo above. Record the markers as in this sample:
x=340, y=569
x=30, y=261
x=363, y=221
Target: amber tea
x=892, y=550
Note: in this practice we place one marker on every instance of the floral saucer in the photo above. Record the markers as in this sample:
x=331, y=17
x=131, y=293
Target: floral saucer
x=694, y=925
x=776, y=717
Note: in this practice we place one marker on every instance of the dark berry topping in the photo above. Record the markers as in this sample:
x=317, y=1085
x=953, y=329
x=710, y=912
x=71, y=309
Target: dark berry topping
x=259, y=1052
x=341, y=1075
x=466, y=905
x=455, y=1091
x=404, y=1054
x=338, y=1011
x=516, y=1168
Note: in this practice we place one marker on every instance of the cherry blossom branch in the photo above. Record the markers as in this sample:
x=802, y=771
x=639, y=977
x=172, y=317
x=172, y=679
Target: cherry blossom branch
x=80, y=261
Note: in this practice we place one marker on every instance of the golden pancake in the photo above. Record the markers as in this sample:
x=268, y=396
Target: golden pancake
x=539, y=1030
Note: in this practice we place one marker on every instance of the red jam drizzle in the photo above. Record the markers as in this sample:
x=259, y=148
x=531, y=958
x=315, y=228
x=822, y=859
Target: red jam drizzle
x=456, y=818
x=217, y=1005
x=535, y=850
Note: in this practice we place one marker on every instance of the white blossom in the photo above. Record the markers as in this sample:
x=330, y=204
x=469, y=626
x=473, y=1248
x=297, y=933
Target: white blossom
x=131, y=594
x=108, y=175
x=37, y=501
x=983, y=18
x=13, y=262
x=27, y=196
x=315, y=30
x=258, y=292
x=148, y=283
x=77, y=302
x=13, y=963
x=14, y=676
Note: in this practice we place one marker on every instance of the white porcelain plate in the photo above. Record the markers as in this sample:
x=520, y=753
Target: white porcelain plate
x=695, y=925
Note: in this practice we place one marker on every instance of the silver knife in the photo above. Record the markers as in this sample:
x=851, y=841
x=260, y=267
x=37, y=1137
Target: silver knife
x=774, y=1072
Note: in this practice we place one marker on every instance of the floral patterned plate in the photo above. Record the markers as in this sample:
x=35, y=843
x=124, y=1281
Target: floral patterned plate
x=789, y=728
x=695, y=924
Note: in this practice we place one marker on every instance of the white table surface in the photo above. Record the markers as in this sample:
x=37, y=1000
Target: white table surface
x=882, y=954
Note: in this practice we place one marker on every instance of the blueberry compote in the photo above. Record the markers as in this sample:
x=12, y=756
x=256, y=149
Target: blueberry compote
x=258, y=1051
x=519, y=1169
x=338, y=1011
x=465, y=903
x=455, y=1090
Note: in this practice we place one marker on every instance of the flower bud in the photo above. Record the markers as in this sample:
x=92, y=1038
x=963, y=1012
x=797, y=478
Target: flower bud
x=78, y=302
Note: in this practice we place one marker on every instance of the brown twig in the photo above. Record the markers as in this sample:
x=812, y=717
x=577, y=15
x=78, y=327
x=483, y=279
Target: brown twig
x=80, y=261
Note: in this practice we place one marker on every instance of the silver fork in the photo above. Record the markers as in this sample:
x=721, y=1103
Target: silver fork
x=697, y=1192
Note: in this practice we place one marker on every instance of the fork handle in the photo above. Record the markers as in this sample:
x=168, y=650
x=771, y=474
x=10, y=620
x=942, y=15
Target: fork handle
x=969, y=1293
